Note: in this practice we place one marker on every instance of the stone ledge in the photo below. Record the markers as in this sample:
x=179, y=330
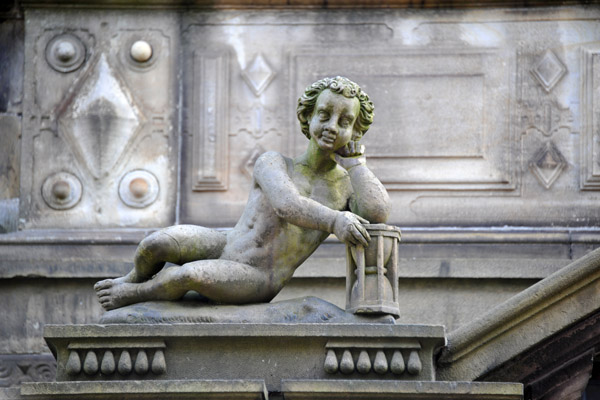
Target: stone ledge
x=177, y=389
x=483, y=253
x=358, y=389
x=244, y=330
x=523, y=322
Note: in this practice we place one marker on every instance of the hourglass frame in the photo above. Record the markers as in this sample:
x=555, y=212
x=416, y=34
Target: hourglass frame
x=372, y=272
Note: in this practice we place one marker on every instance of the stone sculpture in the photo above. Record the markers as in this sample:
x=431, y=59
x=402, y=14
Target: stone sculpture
x=294, y=204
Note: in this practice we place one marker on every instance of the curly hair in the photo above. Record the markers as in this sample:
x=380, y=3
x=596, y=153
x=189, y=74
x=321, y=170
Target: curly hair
x=339, y=85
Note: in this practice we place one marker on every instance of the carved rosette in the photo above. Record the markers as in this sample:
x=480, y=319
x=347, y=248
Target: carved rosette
x=65, y=53
x=138, y=188
x=61, y=191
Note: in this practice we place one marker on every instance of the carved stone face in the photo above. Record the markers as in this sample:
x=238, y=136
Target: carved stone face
x=332, y=122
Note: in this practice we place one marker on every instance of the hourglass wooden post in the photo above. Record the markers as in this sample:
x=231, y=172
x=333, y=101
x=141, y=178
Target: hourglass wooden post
x=372, y=273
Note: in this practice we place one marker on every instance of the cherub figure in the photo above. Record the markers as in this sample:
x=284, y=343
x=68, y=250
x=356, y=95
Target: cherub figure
x=294, y=204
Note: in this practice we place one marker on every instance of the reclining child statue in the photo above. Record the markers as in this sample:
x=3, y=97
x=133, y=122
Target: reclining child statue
x=294, y=204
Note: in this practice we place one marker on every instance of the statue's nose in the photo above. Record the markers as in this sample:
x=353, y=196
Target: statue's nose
x=332, y=127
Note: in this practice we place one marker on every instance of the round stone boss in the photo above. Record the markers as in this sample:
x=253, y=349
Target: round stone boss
x=65, y=52
x=61, y=190
x=138, y=188
x=140, y=53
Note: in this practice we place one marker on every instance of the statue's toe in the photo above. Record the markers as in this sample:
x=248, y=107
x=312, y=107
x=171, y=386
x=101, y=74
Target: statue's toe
x=105, y=284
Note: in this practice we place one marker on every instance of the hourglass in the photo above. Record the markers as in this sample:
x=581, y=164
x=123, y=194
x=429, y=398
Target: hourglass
x=372, y=272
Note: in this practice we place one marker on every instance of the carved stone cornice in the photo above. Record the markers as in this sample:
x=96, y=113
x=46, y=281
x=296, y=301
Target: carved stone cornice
x=299, y=4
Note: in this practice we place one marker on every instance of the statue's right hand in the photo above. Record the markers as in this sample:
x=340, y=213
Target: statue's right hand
x=349, y=229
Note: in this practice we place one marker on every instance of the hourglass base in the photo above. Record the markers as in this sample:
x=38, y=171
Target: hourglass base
x=379, y=307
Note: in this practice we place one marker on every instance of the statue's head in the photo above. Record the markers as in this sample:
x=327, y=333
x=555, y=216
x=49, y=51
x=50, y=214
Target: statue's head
x=338, y=85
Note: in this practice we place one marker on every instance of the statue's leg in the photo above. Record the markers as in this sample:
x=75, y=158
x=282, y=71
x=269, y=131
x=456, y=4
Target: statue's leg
x=176, y=244
x=222, y=281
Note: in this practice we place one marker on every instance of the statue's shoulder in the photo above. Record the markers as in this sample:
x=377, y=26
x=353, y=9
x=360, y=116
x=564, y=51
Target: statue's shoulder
x=272, y=159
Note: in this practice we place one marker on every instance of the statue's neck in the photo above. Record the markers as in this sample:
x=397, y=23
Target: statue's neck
x=316, y=158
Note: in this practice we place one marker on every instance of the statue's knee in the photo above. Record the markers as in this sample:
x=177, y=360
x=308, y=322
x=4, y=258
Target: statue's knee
x=159, y=246
x=188, y=275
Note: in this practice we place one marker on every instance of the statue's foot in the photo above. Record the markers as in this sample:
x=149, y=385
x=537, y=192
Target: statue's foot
x=115, y=293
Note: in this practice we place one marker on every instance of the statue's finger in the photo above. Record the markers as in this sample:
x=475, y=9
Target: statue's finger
x=364, y=232
x=350, y=240
x=359, y=237
x=361, y=149
x=361, y=219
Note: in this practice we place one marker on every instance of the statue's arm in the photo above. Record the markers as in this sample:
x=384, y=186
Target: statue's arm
x=370, y=200
x=270, y=173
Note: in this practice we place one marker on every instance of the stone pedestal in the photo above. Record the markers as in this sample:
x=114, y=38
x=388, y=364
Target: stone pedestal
x=251, y=361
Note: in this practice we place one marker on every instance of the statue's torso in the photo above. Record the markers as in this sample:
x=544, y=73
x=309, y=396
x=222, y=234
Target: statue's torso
x=264, y=240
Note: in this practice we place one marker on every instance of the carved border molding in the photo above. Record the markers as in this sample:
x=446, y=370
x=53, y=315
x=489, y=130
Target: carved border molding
x=590, y=123
x=209, y=125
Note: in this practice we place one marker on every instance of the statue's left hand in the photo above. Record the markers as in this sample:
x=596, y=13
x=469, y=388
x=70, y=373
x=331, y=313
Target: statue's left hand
x=351, y=155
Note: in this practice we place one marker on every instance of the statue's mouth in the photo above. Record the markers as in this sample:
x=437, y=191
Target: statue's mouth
x=328, y=138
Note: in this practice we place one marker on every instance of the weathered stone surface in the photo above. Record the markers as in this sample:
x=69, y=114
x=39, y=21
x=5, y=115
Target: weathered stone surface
x=304, y=310
x=10, y=126
x=451, y=280
x=95, y=132
x=447, y=277
x=560, y=366
x=319, y=4
x=488, y=105
x=523, y=322
x=185, y=390
x=16, y=369
x=11, y=65
x=37, y=302
x=356, y=389
x=245, y=351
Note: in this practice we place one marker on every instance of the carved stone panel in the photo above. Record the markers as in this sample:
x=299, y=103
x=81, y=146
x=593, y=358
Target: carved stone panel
x=437, y=117
x=97, y=110
x=480, y=119
x=16, y=369
x=590, y=118
x=209, y=126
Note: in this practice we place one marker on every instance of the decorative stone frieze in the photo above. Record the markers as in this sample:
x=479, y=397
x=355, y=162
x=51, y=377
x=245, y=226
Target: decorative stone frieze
x=397, y=358
x=108, y=359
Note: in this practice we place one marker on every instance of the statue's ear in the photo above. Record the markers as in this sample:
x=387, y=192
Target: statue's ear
x=356, y=135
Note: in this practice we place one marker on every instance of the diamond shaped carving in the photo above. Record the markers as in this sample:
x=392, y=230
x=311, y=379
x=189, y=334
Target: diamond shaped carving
x=101, y=121
x=549, y=70
x=547, y=164
x=258, y=74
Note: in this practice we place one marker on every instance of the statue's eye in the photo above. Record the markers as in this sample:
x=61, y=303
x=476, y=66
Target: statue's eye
x=323, y=115
x=345, y=122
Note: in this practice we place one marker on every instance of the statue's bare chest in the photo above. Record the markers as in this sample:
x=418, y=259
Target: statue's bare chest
x=331, y=191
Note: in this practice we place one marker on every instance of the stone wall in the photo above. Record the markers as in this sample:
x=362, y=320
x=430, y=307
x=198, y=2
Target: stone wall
x=485, y=135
